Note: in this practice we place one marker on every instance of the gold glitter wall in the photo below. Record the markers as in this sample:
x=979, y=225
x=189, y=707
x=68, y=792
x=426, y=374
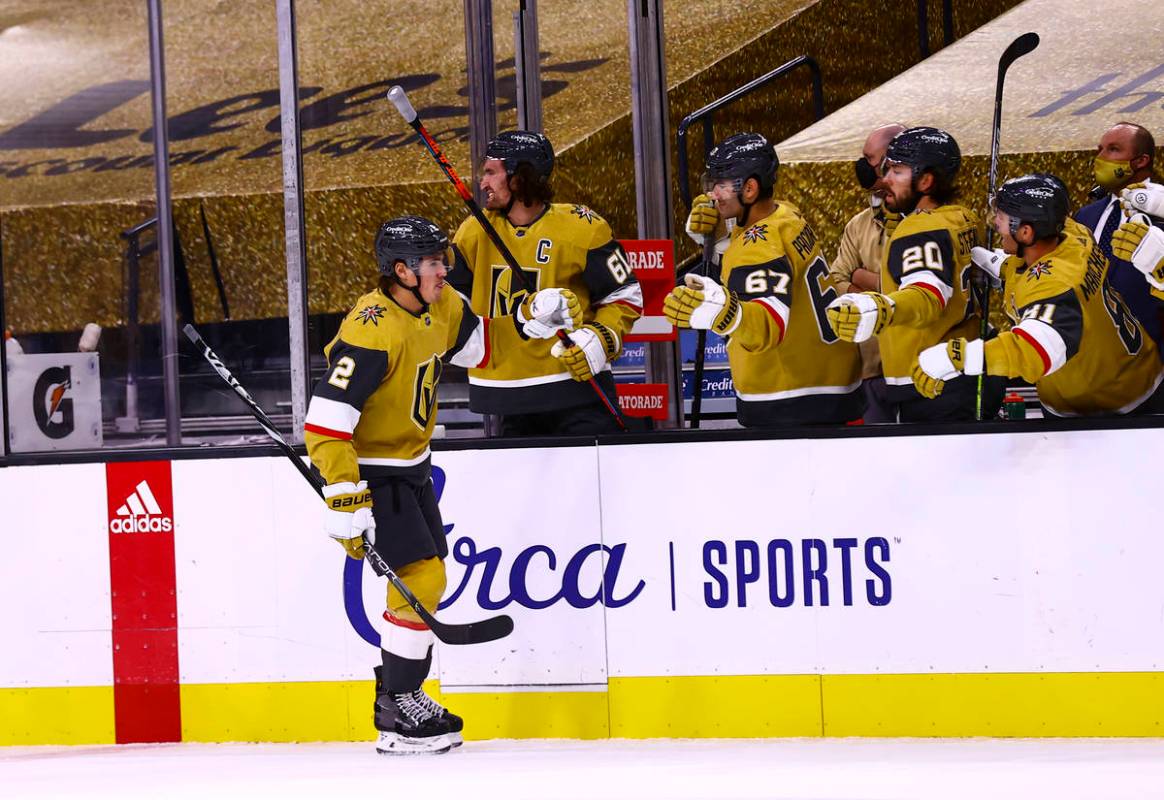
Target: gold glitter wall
x=63, y=258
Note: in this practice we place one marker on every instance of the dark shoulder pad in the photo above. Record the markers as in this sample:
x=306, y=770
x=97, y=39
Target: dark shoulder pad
x=931, y=251
x=353, y=374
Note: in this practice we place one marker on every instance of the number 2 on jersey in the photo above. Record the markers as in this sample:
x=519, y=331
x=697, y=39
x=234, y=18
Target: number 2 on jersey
x=342, y=373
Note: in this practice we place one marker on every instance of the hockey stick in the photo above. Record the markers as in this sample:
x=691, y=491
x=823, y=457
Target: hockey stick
x=701, y=339
x=470, y=633
x=1014, y=51
x=403, y=105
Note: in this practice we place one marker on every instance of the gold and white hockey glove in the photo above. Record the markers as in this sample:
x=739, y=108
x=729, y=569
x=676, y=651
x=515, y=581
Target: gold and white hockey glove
x=594, y=346
x=946, y=361
x=349, y=515
x=990, y=262
x=704, y=305
x=543, y=314
x=1143, y=198
x=703, y=219
x=1143, y=245
x=855, y=317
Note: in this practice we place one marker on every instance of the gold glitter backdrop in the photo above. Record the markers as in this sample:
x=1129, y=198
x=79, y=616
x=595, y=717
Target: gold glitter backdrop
x=75, y=151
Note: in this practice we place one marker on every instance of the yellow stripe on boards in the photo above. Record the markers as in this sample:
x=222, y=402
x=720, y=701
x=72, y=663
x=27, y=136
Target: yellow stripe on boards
x=57, y=715
x=725, y=706
x=312, y=711
x=998, y=704
x=531, y=715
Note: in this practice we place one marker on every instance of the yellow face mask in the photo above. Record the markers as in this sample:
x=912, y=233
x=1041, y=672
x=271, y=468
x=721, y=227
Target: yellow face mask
x=1111, y=175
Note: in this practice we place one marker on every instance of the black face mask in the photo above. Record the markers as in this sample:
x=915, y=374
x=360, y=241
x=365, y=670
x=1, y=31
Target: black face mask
x=866, y=175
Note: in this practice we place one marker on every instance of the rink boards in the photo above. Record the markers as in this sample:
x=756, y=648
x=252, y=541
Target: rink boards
x=1000, y=584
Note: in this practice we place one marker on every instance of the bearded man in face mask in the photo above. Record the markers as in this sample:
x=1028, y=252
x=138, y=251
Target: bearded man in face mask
x=857, y=267
x=1123, y=174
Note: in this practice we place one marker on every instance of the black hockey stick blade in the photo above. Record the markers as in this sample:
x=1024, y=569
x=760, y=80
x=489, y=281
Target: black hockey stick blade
x=1017, y=49
x=486, y=630
x=468, y=633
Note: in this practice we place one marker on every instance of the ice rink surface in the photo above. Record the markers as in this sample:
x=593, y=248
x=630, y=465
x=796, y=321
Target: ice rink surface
x=784, y=769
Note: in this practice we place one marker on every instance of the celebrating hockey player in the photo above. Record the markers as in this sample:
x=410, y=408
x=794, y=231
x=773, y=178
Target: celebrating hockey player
x=368, y=429
x=537, y=387
x=786, y=363
x=924, y=278
x=1142, y=244
x=1074, y=337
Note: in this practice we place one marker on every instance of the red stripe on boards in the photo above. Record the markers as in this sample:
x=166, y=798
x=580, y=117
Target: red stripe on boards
x=147, y=705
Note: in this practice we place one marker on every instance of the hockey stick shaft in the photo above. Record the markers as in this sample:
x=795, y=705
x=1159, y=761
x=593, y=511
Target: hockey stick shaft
x=450, y=634
x=398, y=98
x=701, y=340
x=1015, y=50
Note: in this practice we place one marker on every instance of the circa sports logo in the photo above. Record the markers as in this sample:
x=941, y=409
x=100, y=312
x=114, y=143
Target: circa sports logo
x=499, y=588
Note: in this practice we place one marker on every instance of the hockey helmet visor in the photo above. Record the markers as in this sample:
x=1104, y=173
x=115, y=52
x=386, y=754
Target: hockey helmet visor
x=1037, y=200
x=739, y=157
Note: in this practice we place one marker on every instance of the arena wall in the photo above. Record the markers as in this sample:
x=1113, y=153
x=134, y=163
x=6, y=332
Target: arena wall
x=1001, y=584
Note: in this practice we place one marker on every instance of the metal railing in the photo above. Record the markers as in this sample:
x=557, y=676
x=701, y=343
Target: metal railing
x=705, y=114
x=923, y=25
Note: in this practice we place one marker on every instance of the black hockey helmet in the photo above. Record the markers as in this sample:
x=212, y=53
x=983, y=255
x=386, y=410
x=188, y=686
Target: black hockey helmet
x=925, y=149
x=1036, y=200
x=743, y=156
x=409, y=239
x=514, y=147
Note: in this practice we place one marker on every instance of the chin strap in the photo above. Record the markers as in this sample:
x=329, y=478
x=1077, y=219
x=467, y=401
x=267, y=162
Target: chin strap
x=742, y=219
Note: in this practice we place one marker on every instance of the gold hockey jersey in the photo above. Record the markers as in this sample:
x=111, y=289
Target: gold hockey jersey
x=373, y=411
x=787, y=364
x=926, y=269
x=568, y=247
x=1073, y=335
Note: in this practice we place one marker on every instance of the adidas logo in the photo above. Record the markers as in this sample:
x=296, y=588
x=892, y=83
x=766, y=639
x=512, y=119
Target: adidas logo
x=140, y=513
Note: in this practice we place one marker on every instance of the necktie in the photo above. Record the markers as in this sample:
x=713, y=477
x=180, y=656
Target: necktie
x=1109, y=227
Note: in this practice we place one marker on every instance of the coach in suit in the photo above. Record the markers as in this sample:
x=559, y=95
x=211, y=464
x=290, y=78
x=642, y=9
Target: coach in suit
x=1124, y=157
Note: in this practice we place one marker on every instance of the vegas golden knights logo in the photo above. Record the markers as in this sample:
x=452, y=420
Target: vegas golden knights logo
x=424, y=392
x=508, y=293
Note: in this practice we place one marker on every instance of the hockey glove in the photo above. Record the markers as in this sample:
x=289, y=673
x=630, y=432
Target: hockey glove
x=543, y=314
x=594, y=347
x=990, y=262
x=702, y=220
x=349, y=515
x=1143, y=198
x=946, y=361
x=704, y=305
x=1143, y=245
x=856, y=317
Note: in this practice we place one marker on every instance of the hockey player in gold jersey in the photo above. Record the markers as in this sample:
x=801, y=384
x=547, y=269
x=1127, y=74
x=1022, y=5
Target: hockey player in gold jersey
x=787, y=365
x=368, y=429
x=924, y=296
x=1073, y=337
x=538, y=387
